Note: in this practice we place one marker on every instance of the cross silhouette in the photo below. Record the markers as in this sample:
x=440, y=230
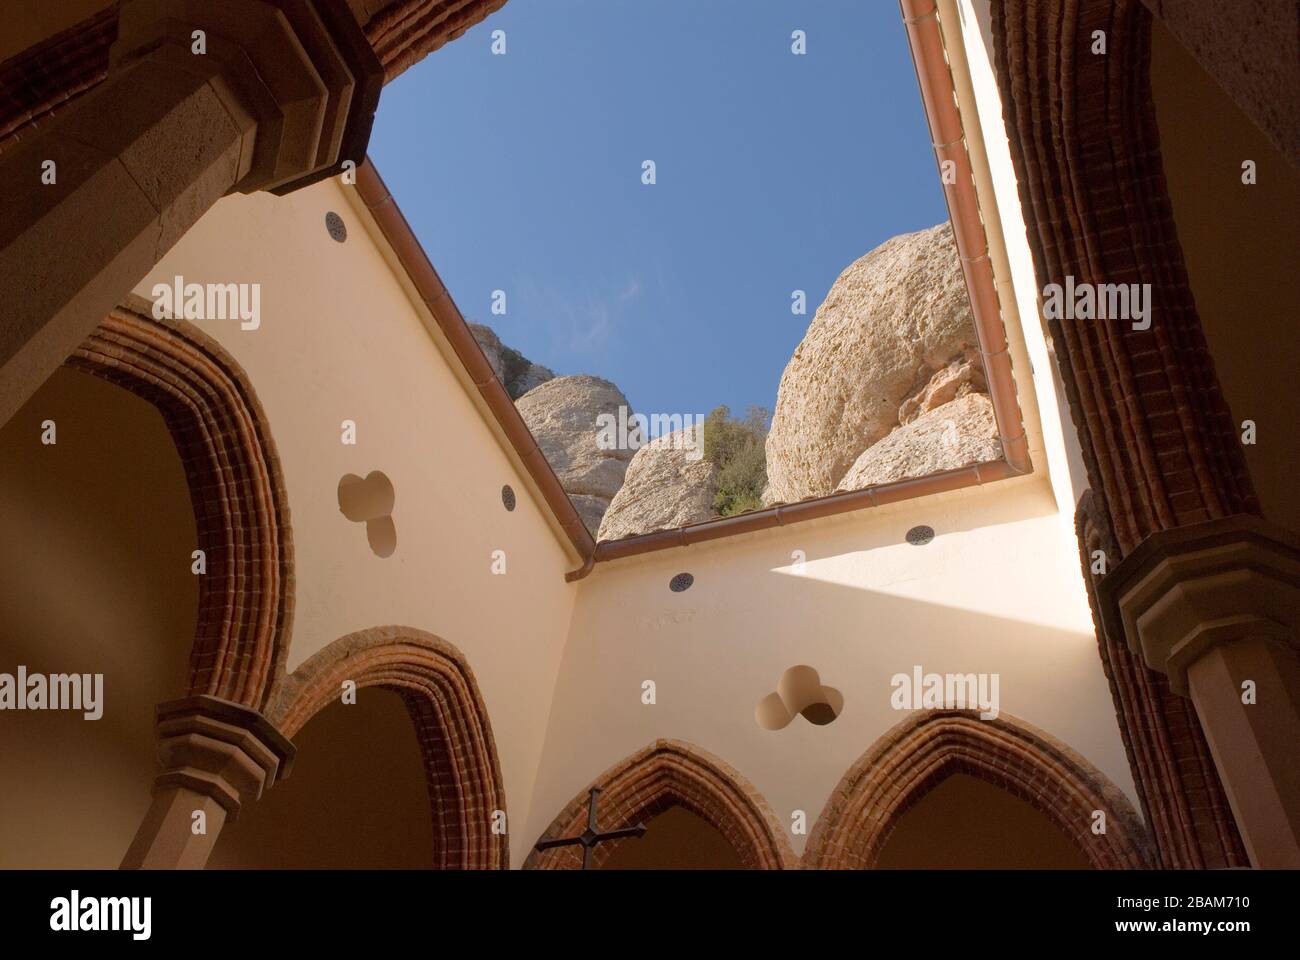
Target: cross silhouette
x=590, y=837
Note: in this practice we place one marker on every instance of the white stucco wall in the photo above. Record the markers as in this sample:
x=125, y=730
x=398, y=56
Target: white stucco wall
x=997, y=591
x=340, y=338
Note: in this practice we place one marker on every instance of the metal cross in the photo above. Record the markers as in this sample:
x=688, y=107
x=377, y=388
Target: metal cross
x=590, y=837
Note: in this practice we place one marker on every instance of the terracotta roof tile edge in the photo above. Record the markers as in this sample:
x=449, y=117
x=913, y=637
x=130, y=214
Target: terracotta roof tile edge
x=791, y=513
x=397, y=232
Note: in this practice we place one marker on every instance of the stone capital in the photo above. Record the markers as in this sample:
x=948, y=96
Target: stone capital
x=300, y=73
x=1183, y=591
x=221, y=750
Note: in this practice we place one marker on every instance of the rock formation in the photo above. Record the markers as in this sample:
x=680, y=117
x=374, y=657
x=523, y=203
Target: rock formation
x=562, y=415
x=886, y=385
x=513, y=369
x=954, y=434
x=663, y=488
x=893, y=344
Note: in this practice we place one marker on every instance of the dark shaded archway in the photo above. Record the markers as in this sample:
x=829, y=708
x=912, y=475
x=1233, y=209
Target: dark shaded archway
x=236, y=489
x=666, y=774
x=356, y=799
x=916, y=755
x=451, y=723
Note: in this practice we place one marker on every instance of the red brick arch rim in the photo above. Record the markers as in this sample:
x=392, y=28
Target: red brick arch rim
x=931, y=745
x=451, y=724
x=1158, y=440
x=665, y=774
x=236, y=490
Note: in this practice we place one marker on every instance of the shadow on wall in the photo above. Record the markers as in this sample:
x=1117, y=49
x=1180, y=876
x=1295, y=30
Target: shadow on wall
x=967, y=824
x=675, y=840
x=357, y=797
x=719, y=648
x=96, y=579
x=1239, y=242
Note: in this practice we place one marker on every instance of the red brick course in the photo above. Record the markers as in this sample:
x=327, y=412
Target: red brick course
x=451, y=724
x=665, y=774
x=1159, y=443
x=236, y=489
x=1181, y=801
x=1158, y=437
x=930, y=745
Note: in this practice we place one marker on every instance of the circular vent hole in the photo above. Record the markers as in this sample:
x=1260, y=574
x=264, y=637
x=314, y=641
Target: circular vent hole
x=337, y=228
x=920, y=536
x=508, y=497
x=680, y=582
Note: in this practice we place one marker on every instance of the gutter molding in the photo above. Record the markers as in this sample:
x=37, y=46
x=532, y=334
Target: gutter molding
x=377, y=199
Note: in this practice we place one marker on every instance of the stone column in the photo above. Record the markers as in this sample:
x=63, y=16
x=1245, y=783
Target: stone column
x=201, y=99
x=1216, y=607
x=216, y=756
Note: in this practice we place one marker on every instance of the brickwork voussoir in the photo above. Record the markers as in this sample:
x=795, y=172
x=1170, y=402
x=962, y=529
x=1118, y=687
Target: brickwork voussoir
x=673, y=773
x=451, y=725
x=931, y=745
x=236, y=489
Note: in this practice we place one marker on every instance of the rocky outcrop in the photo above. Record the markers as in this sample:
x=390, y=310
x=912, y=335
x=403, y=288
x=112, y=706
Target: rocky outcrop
x=955, y=434
x=513, y=369
x=664, y=488
x=590, y=509
x=893, y=341
x=963, y=376
x=562, y=414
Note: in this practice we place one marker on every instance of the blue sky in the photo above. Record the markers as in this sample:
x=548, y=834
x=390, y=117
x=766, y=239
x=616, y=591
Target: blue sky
x=522, y=173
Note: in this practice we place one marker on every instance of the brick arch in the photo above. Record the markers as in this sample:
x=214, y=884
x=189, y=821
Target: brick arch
x=236, y=489
x=451, y=723
x=931, y=745
x=665, y=774
x=1155, y=432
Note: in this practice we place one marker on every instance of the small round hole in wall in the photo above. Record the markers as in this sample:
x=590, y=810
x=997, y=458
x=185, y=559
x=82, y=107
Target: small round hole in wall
x=338, y=230
x=508, y=497
x=681, y=582
x=920, y=536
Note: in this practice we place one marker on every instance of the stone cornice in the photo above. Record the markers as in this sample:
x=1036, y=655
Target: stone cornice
x=220, y=749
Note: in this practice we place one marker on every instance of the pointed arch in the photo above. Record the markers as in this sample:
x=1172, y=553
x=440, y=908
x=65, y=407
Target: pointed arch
x=931, y=745
x=236, y=489
x=665, y=774
x=451, y=724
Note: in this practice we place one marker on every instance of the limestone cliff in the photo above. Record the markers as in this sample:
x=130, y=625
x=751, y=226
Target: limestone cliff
x=562, y=414
x=892, y=345
x=952, y=435
x=515, y=371
x=665, y=487
x=886, y=385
